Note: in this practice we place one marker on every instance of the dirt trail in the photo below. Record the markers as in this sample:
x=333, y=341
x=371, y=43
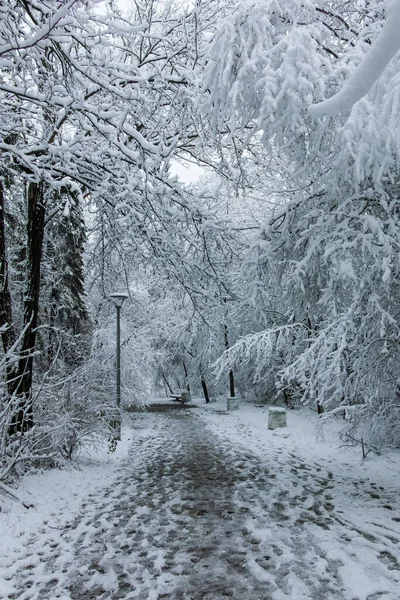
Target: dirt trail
x=191, y=517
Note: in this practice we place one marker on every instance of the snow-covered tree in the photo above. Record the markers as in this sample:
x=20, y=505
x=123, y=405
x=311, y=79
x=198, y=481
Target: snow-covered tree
x=92, y=107
x=326, y=261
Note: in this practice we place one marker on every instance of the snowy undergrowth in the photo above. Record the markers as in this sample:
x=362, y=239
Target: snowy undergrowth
x=56, y=495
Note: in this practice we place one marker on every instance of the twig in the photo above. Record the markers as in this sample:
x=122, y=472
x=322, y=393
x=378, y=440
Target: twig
x=7, y=490
x=363, y=444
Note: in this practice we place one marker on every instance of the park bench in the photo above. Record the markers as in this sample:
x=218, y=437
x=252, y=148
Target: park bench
x=181, y=396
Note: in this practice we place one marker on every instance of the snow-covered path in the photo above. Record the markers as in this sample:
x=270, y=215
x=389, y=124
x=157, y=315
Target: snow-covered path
x=192, y=515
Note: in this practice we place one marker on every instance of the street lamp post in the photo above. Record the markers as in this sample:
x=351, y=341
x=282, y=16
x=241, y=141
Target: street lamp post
x=233, y=401
x=226, y=340
x=118, y=299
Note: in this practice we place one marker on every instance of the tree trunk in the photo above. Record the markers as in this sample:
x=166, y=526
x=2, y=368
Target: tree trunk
x=23, y=418
x=166, y=382
x=8, y=337
x=205, y=390
x=186, y=376
x=8, y=334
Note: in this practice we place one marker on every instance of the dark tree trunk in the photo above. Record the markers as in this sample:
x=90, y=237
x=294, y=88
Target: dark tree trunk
x=6, y=320
x=186, y=375
x=8, y=335
x=205, y=390
x=23, y=419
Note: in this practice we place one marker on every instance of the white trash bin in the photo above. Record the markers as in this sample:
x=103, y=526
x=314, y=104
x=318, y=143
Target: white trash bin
x=232, y=403
x=276, y=417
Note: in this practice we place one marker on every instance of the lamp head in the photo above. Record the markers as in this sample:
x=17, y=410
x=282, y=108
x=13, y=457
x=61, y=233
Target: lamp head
x=118, y=298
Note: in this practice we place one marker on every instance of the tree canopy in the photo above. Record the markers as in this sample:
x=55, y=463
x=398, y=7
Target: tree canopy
x=278, y=268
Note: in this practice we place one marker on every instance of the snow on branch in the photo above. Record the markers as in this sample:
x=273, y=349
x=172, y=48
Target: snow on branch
x=255, y=347
x=369, y=71
x=11, y=492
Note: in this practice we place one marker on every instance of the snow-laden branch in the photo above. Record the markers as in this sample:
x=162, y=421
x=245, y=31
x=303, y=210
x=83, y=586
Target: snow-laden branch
x=370, y=69
x=43, y=32
x=256, y=347
x=11, y=492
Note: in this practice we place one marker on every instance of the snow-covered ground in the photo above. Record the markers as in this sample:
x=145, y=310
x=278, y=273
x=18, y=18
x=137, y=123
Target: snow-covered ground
x=56, y=496
x=363, y=495
x=204, y=504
